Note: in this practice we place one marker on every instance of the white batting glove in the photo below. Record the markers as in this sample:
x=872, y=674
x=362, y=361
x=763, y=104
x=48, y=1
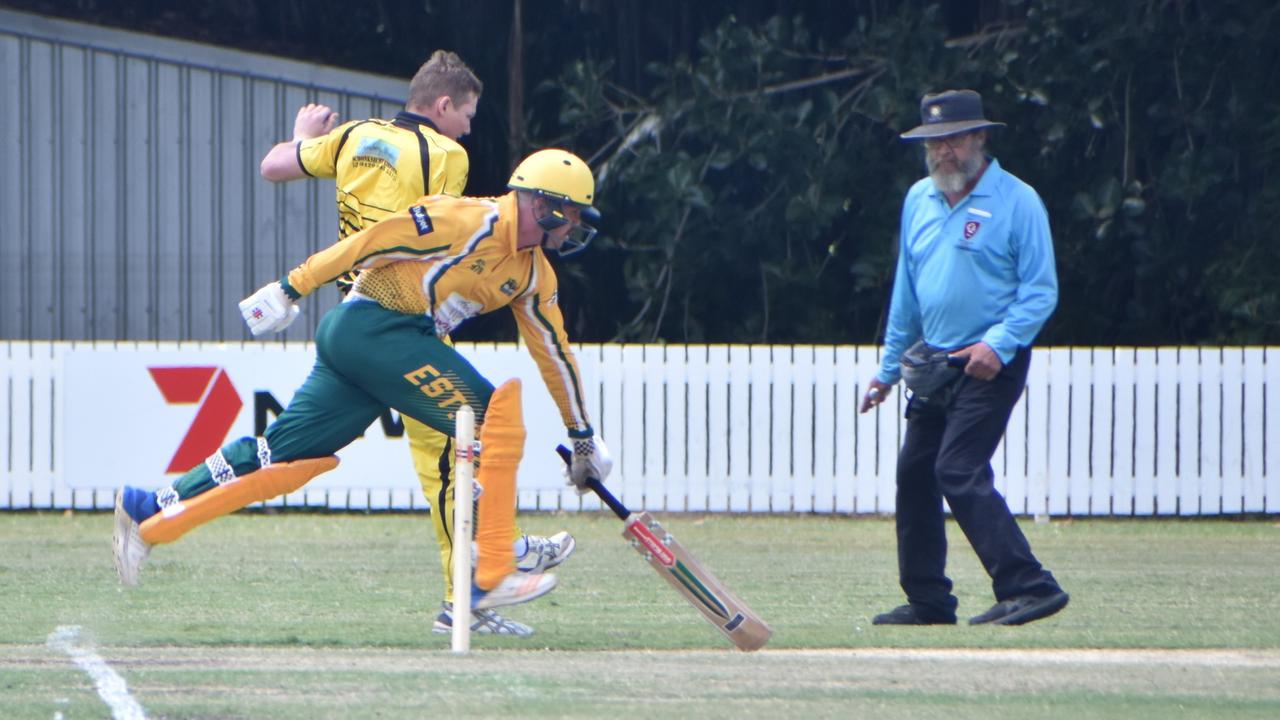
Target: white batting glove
x=269, y=310
x=591, y=459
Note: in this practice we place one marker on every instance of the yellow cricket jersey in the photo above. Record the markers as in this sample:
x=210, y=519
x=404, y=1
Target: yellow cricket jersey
x=382, y=166
x=453, y=258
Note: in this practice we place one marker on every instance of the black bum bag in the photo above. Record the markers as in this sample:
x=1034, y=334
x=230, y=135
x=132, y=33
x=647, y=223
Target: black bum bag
x=926, y=371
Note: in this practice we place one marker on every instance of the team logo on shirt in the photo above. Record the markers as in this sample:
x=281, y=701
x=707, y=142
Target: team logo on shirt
x=509, y=287
x=971, y=229
x=421, y=219
x=477, y=267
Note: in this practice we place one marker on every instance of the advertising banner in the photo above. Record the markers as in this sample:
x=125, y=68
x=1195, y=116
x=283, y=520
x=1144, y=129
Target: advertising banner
x=143, y=417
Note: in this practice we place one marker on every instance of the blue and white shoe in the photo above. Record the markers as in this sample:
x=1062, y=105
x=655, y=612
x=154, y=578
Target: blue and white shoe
x=483, y=622
x=129, y=548
x=140, y=504
x=515, y=588
x=544, y=553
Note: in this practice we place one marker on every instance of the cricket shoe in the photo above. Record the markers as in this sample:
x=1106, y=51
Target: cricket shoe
x=544, y=553
x=130, y=549
x=515, y=588
x=1022, y=609
x=483, y=622
x=909, y=615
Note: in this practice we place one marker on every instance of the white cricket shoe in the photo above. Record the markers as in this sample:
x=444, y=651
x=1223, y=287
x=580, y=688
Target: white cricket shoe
x=515, y=588
x=545, y=553
x=127, y=544
x=483, y=622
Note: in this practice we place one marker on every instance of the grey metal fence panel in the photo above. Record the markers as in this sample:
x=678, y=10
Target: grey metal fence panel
x=10, y=178
x=131, y=207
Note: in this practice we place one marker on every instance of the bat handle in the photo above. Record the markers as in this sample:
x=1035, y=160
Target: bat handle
x=614, y=503
x=957, y=362
x=597, y=487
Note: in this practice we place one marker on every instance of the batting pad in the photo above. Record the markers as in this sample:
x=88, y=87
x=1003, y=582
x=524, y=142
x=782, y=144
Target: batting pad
x=278, y=479
x=501, y=447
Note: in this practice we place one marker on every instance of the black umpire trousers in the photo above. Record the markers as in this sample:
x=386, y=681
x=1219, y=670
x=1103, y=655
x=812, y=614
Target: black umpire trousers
x=947, y=454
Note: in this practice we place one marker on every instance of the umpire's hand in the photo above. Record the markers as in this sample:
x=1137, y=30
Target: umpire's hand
x=876, y=393
x=981, y=361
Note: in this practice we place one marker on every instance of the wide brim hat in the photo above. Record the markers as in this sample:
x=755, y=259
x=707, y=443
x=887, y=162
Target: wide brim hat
x=949, y=113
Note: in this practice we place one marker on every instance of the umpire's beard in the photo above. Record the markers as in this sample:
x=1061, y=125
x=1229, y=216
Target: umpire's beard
x=951, y=178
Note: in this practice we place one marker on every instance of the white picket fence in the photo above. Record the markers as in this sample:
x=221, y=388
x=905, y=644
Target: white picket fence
x=1099, y=431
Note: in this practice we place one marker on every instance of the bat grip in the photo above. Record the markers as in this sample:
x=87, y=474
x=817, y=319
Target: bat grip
x=597, y=487
x=614, y=504
x=957, y=362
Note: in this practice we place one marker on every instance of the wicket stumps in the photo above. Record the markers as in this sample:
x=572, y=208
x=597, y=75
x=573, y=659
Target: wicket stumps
x=463, y=502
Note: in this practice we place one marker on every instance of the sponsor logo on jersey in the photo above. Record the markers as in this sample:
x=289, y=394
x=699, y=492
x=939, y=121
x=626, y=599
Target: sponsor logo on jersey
x=453, y=312
x=509, y=287
x=376, y=154
x=477, y=267
x=421, y=219
x=374, y=150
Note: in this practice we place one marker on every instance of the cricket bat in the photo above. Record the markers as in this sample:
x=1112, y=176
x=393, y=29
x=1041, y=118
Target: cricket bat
x=704, y=591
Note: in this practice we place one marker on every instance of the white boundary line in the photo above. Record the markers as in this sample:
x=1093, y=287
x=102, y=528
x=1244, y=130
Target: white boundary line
x=1179, y=657
x=110, y=686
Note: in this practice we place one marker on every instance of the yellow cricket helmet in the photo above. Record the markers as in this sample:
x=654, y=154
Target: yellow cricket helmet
x=561, y=178
x=558, y=174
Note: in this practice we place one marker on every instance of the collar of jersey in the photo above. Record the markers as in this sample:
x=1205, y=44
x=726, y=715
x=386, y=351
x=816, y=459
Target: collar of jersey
x=407, y=116
x=508, y=215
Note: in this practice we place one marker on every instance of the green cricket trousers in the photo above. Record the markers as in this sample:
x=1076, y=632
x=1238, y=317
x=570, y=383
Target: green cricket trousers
x=368, y=359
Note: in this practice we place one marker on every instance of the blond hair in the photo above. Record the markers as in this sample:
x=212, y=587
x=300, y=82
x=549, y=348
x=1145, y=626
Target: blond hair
x=443, y=74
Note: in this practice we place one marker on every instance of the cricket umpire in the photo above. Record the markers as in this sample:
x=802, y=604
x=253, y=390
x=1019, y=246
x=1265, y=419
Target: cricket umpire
x=976, y=281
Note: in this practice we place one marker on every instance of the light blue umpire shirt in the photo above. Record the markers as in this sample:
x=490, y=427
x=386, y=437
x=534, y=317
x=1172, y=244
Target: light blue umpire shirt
x=982, y=270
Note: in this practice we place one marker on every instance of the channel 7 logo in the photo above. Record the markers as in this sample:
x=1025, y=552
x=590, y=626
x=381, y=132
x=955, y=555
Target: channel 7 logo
x=219, y=402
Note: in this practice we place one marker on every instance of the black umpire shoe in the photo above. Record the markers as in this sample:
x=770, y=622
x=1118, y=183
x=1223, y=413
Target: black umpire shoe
x=908, y=615
x=1022, y=609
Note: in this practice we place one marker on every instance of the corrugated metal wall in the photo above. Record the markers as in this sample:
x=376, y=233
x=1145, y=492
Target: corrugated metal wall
x=131, y=207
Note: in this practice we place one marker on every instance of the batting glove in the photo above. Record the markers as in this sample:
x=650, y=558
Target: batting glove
x=269, y=310
x=591, y=460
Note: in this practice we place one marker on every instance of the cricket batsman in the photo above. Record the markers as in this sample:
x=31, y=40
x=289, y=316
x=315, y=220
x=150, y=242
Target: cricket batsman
x=424, y=271
x=381, y=167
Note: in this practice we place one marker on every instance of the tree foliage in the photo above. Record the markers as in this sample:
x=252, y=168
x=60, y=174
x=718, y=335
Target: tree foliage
x=1154, y=138
x=736, y=181
x=754, y=185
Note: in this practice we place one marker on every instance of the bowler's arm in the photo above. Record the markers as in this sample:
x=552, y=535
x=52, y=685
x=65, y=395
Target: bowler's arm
x=282, y=163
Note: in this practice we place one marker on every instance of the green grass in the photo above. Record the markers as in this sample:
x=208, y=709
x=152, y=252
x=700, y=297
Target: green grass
x=313, y=616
